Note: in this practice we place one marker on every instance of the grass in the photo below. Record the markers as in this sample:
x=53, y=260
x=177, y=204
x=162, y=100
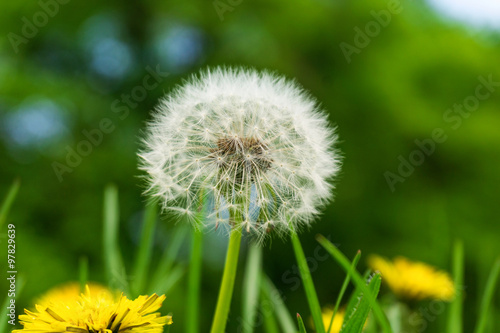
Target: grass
x=484, y=310
x=8, y=201
x=251, y=287
x=359, y=281
x=455, y=321
x=143, y=259
x=115, y=270
x=343, y=289
x=194, y=282
x=305, y=274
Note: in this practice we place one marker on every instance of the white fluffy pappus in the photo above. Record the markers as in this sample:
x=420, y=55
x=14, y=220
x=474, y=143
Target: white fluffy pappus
x=240, y=148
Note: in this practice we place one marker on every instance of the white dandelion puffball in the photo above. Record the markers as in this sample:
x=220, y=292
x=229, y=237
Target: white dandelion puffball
x=240, y=148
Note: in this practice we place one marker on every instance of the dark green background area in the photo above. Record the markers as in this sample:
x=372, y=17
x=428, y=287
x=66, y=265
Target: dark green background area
x=397, y=89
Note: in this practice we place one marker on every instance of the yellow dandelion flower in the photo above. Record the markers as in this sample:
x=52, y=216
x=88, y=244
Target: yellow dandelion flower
x=96, y=312
x=70, y=292
x=414, y=280
x=338, y=320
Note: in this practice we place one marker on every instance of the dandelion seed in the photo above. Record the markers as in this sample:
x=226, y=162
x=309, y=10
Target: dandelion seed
x=230, y=130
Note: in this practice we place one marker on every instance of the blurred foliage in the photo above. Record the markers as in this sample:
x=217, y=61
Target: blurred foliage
x=77, y=68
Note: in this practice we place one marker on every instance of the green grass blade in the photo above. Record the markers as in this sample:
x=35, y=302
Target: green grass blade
x=355, y=297
x=115, y=271
x=343, y=289
x=83, y=272
x=312, y=297
x=194, y=282
x=169, y=282
x=487, y=298
x=456, y=307
x=271, y=325
x=302, y=328
x=356, y=316
x=143, y=259
x=251, y=285
x=273, y=295
x=358, y=281
x=168, y=258
x=268, y=310
x=4, y=310
x=7, y=202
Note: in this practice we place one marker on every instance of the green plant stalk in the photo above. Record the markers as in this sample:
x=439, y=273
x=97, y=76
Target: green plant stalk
x=227, y=285
x=302, y=328
x=270, y=323
x=251, y=285
x=165, y=264
x=270, y=292
x=456, y=307
x=343, y=289
x=312, y=297
x=487, y=297
x=141, y=265
x=9, y=199
x=194, y=281
x=359, y=281
x=83, y=271
x=115, y=270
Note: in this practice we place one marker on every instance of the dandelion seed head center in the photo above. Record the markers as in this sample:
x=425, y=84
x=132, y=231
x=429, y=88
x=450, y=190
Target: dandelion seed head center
x=243, y=157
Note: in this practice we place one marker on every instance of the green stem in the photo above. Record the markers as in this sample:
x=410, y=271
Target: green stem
x=455, y=320
x=251, y=285
x=312, y=297
x=142, y=261
x=228, y=277
x=194, y=279
x=484, y=310
x=343, y=289
x=359, y=282
x=115, y=270
x=9, y=199
x=83, y=265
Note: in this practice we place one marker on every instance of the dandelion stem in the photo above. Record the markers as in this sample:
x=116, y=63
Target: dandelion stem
x=194, y=279
x=305, y=274
x=228, y=277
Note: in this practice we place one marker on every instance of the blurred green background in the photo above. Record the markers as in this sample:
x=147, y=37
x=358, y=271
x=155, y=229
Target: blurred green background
x=58, y=81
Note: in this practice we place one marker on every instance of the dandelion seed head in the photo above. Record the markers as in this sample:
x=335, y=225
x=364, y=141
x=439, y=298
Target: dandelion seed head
x=254, y=144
